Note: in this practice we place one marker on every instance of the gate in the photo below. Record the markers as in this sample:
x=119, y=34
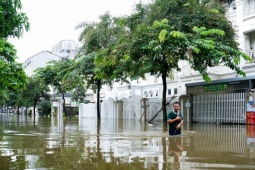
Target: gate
x=107, y=108
x=155, y=106
x=132, y=107
x=220, y=108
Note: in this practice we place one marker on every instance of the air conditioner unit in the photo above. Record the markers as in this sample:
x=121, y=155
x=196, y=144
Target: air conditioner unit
x=233, y=5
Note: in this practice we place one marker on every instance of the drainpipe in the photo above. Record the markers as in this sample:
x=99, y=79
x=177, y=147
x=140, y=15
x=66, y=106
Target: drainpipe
x=246, y=94
x=250, y=86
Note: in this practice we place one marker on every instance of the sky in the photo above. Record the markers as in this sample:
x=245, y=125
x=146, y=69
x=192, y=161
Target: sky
x=54, y=20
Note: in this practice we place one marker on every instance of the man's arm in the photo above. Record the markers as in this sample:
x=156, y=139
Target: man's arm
x=179, y=125
x=170, y=121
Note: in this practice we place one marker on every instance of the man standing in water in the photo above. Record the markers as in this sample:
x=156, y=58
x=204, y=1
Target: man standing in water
x=175, y=120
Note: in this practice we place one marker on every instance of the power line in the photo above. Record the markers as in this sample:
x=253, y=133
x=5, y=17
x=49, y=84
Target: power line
x=49, y=13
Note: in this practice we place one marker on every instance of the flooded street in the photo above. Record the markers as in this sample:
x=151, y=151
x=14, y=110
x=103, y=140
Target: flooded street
x=127, y=145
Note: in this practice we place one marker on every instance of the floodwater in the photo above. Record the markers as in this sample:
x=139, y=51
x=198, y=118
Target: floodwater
x=70, y=144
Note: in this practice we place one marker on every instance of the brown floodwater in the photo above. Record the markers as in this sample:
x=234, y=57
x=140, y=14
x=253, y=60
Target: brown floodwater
x=71, y=144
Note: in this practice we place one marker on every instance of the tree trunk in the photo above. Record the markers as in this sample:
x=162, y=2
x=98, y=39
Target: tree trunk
x=35, y=103
x=18, y=110
x=98, y=99
x=164, y=96
x=64, y=104
x=7, y=109
x=164, y=152
x=99, y=153
x=34, y=108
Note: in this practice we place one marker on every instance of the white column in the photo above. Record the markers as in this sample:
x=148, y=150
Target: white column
x=239, y=26
x=81, y=114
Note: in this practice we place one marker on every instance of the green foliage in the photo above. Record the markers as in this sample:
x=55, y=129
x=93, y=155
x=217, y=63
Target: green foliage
x=62, y=75
x=79, y=94
x=12, y=21
x=99, y=62
x=44, y=107
x=184, y=15
x=35, y=90
x=85, y=65
x=56, y=74
x=207, y=52
x=12, y=74
x=99, y=47
x=12, y=24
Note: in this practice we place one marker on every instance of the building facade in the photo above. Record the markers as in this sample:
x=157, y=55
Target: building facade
x=66, y=48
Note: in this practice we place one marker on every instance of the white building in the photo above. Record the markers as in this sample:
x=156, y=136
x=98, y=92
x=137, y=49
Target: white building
x=38, y=60
x=66, y=48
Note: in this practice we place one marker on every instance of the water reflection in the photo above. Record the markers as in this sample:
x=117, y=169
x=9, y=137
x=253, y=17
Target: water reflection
x=121, y=144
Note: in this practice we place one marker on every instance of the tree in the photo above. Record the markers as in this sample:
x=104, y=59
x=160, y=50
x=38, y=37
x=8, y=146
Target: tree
x=44, y=107
x=166, y=32
x=12, y=74
x=57, y=74
x=35, y=91
x=13, y=82
x=86, y=67
x=74, y=79
x=98, y=42
x=79, y=94
x=12, y=21
x=12, y=24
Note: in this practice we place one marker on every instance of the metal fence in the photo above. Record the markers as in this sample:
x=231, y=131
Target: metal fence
x=220, y=138
x=220, y=108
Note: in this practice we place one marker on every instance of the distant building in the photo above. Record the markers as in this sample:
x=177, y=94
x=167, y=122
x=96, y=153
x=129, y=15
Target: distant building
x=66, y=48
x=37, y=61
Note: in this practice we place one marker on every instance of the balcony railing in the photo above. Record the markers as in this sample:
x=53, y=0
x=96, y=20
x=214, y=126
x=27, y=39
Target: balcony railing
x=249, y=9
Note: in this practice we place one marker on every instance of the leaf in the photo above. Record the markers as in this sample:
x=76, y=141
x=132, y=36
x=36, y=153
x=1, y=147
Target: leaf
x=214, y=11
x=177, y=34
x=162, y=35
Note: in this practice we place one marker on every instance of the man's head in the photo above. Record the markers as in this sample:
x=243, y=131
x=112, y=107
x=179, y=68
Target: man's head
x=176, y=106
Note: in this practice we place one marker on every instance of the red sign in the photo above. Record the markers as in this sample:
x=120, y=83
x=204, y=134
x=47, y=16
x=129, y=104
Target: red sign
x=251, y=131
x=250, y=118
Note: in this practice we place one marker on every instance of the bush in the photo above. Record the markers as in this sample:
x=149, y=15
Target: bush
x=44, y=107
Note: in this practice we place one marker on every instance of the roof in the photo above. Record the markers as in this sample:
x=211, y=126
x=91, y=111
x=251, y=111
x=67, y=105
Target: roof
x=40, y=53
x=220, y=81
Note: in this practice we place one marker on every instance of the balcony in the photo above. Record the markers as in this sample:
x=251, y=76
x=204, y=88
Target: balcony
x=249, y=9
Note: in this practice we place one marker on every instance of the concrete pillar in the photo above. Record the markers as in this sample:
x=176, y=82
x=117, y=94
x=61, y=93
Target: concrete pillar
x=80, y=114
x=60, y=115
x=120, y=109
x=239, y=26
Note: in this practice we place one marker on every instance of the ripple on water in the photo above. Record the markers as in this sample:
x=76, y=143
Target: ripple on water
x=10, y=131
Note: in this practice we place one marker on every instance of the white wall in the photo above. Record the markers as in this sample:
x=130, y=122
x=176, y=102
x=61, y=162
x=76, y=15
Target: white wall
x=37, y=61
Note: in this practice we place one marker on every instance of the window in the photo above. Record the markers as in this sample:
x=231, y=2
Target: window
x=169, y=92
x=175, y=90
x=156, y=91
x=253, y=84
x=150, y=93
x=145, y=94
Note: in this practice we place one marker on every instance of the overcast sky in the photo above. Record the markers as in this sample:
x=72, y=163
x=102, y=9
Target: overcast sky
x=54, y=20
